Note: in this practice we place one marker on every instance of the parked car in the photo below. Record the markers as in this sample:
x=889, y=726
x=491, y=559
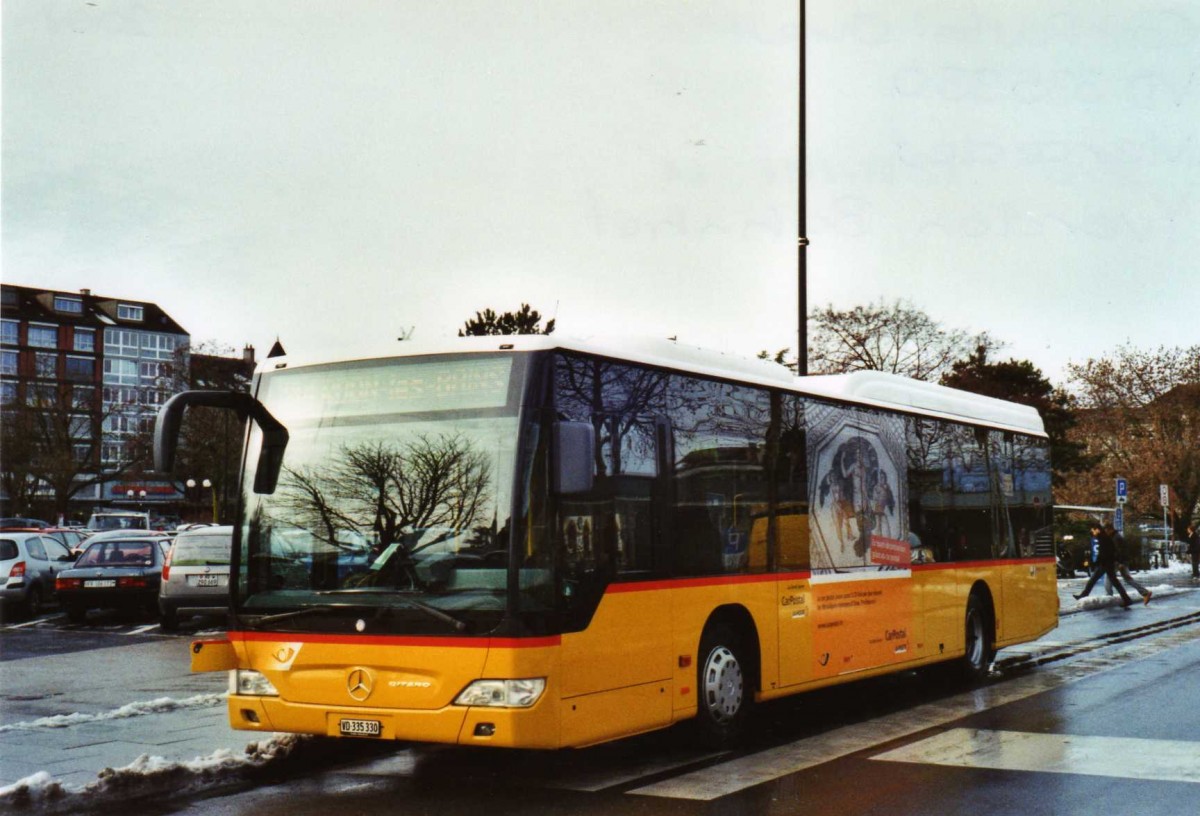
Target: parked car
x=119, y=520
x=71, y=539
x=21, y=523
x=28, y=563
x=115, y=573
x=195, y=577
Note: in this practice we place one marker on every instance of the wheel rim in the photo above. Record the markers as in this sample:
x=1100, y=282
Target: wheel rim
x=722, y=684
x=974, y=638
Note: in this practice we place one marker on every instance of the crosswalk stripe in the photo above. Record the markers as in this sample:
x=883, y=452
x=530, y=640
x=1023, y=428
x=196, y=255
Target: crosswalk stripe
x=604, y=780
x=1122, y=757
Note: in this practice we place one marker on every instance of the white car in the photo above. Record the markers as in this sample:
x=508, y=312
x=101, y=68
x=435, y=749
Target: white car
x=28, y=565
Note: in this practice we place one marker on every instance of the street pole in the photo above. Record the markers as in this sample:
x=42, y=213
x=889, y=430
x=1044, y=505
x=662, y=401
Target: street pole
x=802, y=228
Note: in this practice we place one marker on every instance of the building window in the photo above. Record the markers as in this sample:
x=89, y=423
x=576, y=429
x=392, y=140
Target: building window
x=71, y=305
x=85, y=340
x=8, y=393
x=45, y=365
x=120, y=372
x=83, y=397
x=10, y=332
x=123, y=343
x=158, y=346
x=82, y=453
x=41, y=396
x=113, y=453
x=8, y=362
x=120, y=396
x=43, y=336
x=80, y=369
x=81, y=427
x=9, y=297
x=152, y=371
x=127, y=311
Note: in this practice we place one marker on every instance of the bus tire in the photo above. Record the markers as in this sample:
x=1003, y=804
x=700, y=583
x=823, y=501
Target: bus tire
x=978, y=631
x=724, y=692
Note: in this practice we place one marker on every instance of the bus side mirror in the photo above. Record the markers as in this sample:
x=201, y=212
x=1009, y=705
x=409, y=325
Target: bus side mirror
x=573, y=451
x=275, y=435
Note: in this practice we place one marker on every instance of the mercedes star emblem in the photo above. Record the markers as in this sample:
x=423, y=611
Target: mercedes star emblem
x=360, y=684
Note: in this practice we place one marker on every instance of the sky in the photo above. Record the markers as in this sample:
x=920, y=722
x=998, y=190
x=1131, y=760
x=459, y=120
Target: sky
x=339, y=173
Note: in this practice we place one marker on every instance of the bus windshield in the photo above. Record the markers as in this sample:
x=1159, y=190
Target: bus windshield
x=394, y=498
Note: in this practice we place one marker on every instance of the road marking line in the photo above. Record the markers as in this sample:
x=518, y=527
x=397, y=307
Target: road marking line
x=1122, y=757
x=736, y=775
x=141, y=629
x=24, y=625
x=592, y=782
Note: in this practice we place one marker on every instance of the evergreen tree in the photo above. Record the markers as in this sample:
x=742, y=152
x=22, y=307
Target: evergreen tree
x=523, y=321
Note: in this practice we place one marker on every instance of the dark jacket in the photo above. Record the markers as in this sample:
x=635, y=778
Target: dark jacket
x=1106, y=551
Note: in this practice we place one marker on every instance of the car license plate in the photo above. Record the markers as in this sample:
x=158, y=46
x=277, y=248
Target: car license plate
x=103, y=583
x=360, y=728
x=208, y=580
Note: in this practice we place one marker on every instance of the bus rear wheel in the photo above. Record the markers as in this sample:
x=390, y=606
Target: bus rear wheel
x=979, y=649
x=724, y=695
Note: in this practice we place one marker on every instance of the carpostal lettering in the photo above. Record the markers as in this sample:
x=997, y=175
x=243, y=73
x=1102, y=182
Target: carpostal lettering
x=896, y=634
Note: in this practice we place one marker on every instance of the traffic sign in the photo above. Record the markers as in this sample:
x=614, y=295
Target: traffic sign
x=1119, y=519
x=1164, y=495
x=1122, y=491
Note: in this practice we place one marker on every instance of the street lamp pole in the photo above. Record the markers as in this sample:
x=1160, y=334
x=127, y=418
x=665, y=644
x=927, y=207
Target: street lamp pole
x=802, y=226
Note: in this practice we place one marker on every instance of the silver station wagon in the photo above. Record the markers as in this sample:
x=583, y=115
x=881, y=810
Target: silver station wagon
x=195, y=578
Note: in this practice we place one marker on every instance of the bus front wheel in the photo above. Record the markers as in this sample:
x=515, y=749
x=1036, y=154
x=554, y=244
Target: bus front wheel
x=723, y=692
x=979, y=650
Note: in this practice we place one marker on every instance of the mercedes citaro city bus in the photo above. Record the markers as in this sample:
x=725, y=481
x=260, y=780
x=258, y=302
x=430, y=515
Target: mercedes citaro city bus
x=539, y=543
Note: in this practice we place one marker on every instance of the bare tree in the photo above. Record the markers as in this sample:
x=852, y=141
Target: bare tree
x=211, y=438
x=1141, y=416
x=52, y=441
x=373, y=487
x=894, y=337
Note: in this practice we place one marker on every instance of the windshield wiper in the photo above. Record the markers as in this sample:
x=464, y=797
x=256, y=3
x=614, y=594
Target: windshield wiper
x=412, y=603
x=434, y=612
x=295, y=613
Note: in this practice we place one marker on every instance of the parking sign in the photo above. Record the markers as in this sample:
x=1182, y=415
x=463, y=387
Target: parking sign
x=1122, y=491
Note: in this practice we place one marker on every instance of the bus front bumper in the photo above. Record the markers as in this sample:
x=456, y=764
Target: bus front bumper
x=533, y=727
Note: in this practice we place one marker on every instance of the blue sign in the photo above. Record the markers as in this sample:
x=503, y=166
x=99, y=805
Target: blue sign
x=1119, y=519
x=1122, y=491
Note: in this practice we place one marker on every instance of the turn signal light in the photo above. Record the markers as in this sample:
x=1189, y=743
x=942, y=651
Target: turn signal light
x=18, y=570
x=166, y=573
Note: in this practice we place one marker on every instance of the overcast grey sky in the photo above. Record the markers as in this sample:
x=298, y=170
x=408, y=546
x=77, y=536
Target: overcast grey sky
x=343, y=170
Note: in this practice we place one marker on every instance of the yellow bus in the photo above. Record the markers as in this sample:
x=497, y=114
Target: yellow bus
x=542, y=543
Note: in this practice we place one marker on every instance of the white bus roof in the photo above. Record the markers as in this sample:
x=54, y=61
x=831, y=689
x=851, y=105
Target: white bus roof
x=868, y=388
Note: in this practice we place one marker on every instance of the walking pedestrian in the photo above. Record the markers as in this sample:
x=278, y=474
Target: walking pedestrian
x=1121, y=549
x=1193, y=541
x=1106, y=565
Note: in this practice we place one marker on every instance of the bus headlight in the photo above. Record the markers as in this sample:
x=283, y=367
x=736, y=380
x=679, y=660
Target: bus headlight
x=249, y=683
x=502, y=693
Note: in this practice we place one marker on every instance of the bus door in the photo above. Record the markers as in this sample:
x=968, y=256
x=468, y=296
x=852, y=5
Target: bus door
x=617, y=650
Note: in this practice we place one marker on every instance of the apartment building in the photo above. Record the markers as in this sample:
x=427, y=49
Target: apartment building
x=113, y=360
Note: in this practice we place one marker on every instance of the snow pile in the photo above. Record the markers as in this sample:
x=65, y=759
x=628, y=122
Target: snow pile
x=147, y=776
x=1097, y=601
x=160, y=706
